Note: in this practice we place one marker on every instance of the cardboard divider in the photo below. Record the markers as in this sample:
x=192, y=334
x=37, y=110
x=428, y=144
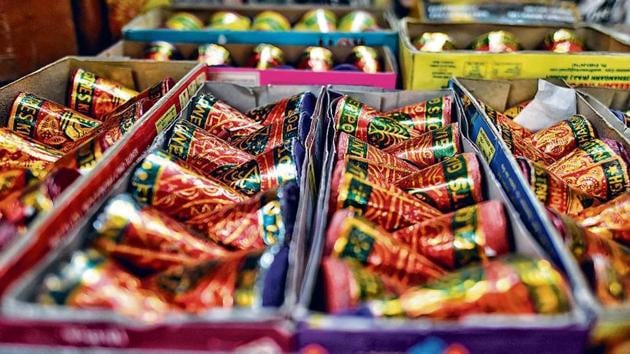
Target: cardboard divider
x=602, y=99
x=603, y=63
x=51, y=82
x=486, y=137
x=263, y=326
x=479, y=333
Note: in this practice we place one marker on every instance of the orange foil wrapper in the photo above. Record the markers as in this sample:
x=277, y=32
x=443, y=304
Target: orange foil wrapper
x=390, y=207
x=552, y=191
x=15, y=180
x=451, y=184
x=19, y=152
x=595, y=168
x=48, y=122
x=511, y=285
x=95, y=96
x=267, y=171
x=393, y=127
x=469, y=235
x=610, y=220
x=268, y=137
x=91, y=281
x=202, y=150
x=218, y=118
x=560, y=139
x=146, y=239
x=355, y=238
x=348, y=145
x=165, y=183
x=429, y=148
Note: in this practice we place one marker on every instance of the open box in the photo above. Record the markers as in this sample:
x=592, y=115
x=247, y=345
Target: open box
x=602, y=99
x=605, y=62
x=501, y=94
x=215, y=329
x=480, y=333
x=148, y=27
x=51, y=82
x=250, y=76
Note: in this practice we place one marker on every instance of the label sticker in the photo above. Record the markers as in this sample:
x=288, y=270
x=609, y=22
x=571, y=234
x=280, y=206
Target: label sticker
x=485, y=145
x=166, y=119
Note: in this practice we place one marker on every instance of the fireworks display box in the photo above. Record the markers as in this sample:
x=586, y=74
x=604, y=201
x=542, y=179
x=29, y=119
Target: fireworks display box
x=604, y=63
x=501, y=94
x=149, y=27
x=602, y=99
x=51, y=82
x=253, y=77
x=27, y=322
x=324, y=332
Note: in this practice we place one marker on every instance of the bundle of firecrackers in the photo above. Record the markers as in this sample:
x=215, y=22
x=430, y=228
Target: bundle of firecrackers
x=205, y=221
x=410, y=233
x=560, y=41
x=316, y=20
x=45, y=146
x=268, y=56
x=583, y=180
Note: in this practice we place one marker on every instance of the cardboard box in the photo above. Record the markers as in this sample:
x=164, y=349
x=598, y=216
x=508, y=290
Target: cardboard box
x=605, y=64
x=216, y=329
x=148, y=27
x=476, y=334
x=503, y=94
x=603, y=99
x=51, y=82
x=254, y=77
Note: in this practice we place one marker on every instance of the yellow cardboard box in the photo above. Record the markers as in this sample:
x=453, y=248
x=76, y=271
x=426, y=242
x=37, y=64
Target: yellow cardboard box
x=607, y=63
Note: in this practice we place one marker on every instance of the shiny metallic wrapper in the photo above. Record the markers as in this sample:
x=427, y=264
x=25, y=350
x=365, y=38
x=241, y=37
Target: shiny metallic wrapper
x=316, y=59
x=214, y=55
x=496, y=42
x=563, y=41
x=434, y=42
x=365, y=58
x=160, y=51
x=228, y=20
x=266, y=56
x=271, y=21
x=357, y=21
x=184, y=21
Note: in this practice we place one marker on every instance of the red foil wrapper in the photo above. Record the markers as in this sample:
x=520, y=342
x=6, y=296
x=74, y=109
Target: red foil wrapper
x=15, y=180
x=380, y=174
x=162, y=181
x=563, y=41
x=202, y=150
x=229, y=282
x=146, y=239
x=90, y=281
x=393, y=127
x=265, y=172
x=553, y=191
x=48, y=122
x=594, y=168
x=430, y=147
x=610, y=220
x=449, y=185
x=95, y=96
x=348, y=145
x=355, y=238
x=469, y=235
x=560, y=139
x=217, y=117
x=511, y=285
x=18, y=153
x=270, y=136
x=509, y=129
x=278, y=111
x=390, y=207
x=496, y=42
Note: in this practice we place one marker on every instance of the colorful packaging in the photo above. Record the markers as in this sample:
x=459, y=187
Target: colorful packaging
x=213, y=55
x=228, y=20
x=202, y=150
x=217, y=117
x=348, y=145
x=146, y=239
x=90, y=281
x=181, y=21
x=48, y=122
x=318, y=20
x=514, y=111
x=552, y=190
x=267, y=171
x=272, y=113
x=512, y=285
x=380, y=174
x=365, y=58
x=429, y=148
x=271, y=136
x=357, y=21
x=270, y=21
x=19, y=152
x=563, y=41
x=434, y=42
x=316, y=59
x=390, y=207
x=449, y=185
x=355, y=238
x=15, y=180
x=610, y=220
x=595, y=168
x=559, y=139
x=160, y=51
x=163, y=182
x=95, y=96
x=266, y=56
x=496, y=42
x=469, y=235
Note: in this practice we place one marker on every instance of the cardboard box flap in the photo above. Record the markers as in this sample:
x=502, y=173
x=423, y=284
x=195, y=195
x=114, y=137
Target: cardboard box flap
x=613, y=98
